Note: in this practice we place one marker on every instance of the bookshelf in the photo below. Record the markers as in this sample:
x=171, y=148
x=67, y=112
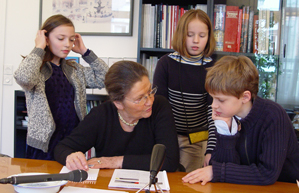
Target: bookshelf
x=20, y=112
x=266, y=59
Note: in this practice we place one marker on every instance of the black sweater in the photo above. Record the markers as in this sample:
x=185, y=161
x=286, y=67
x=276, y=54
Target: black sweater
x=264, y=151
x=101, y=129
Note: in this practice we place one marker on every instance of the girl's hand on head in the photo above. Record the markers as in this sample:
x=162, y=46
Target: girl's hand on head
x=41, y=39
x=115, y=162
x=76, y=161
x=79, y=46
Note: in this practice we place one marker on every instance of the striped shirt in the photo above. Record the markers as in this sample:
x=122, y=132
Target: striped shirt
x=181, y=80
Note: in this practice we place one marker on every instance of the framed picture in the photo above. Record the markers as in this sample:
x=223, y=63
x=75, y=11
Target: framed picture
x=93, y=17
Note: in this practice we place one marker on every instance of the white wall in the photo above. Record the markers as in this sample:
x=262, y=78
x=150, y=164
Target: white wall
x=2, y=37
x=20, y=26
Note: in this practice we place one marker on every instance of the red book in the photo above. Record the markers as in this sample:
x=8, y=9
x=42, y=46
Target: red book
x=182, y=11
x=239, y=30
x=231, y=29
x=255, y=33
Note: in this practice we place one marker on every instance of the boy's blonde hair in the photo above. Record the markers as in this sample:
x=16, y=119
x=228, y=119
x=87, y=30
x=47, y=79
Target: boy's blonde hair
x=233, y=75
x=180, y=34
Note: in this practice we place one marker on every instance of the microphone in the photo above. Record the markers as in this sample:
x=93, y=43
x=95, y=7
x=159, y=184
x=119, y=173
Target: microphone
x=75, y=176
x=157, y=159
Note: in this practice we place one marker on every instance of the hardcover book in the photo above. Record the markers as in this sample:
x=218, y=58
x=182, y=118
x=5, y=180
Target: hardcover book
x=219, y=24
x=255, y=33
x=250, y=31
x=244, y=34
x=231, y=29
x=240, y=18
x=263, y=32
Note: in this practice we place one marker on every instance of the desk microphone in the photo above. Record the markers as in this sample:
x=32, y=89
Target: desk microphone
x=75, y=176
x=157, y=159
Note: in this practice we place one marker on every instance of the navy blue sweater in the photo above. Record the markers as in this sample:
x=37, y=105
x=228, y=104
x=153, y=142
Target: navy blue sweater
x=264, y=151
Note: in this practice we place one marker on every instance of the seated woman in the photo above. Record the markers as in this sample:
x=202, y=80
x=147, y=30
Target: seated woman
x=124, y=129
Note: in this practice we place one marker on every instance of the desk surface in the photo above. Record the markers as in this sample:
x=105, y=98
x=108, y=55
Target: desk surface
x=9, y=166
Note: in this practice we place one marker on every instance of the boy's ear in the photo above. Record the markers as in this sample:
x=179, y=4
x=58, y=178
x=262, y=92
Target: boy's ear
x=119, y=105
x=246, y=96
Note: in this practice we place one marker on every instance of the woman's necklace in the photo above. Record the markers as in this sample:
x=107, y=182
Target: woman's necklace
x=125, y=122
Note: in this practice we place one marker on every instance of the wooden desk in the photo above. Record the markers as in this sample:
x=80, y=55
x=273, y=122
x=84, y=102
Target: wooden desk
x=9, y=166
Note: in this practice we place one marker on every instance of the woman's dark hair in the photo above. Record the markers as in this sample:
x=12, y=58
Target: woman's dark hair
x=49, y=25
x=121, y=77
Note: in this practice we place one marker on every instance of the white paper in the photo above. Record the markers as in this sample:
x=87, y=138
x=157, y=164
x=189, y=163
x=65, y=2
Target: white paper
x=92, y=173
x=122, y=178
x=69, y=189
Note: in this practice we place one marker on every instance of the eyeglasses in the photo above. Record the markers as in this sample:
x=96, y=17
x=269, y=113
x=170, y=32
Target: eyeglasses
x=144, y=99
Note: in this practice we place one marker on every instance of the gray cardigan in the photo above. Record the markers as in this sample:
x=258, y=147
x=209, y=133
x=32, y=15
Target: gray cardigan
x=31, y=77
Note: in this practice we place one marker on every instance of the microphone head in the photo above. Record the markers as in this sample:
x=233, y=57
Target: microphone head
x=157, y=159
x=78, y=175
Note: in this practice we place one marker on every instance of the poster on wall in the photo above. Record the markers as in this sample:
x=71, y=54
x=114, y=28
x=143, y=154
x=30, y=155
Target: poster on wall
x=93, y=17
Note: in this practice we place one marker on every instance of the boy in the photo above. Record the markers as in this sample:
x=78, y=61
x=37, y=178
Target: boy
x=256, y=142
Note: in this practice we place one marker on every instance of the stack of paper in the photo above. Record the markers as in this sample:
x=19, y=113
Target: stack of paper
x=122, y=178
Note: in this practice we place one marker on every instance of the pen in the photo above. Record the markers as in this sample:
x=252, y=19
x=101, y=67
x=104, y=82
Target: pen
x=131, y=182
x=127, y=179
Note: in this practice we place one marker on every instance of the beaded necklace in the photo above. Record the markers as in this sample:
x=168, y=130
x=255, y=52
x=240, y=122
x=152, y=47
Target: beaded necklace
x=125, y=122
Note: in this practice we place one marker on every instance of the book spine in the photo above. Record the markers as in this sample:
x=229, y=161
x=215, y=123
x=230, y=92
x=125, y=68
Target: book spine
x=158, y=26
x=250, y=32
x=244, y=35
x=219, y=23
x=155, y=27
x=240, y=18
x=263, y=42
x=143, y=25
x=171, y=25
x=255, y=33
x=182, y=12
x=231, y=29
x=152, y=26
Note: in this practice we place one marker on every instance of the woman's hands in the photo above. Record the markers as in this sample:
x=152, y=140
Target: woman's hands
x=106, y=162
x=41, y=39
x=77, y=160
x=79, y=46
x=202, y=175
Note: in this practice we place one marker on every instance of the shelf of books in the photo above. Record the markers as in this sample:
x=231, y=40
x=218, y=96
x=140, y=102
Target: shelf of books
x=21, y=120
x=159, y=21
x=250, y=28
x=245, y=30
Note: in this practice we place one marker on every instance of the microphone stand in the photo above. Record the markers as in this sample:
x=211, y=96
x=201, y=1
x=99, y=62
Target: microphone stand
x=155, y=182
